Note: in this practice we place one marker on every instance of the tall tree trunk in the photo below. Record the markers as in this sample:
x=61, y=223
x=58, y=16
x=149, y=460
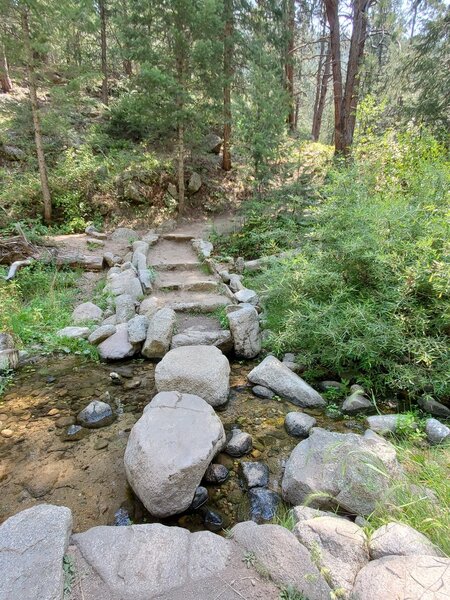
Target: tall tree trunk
x=5, y=80
x=36, y=119
x=346, y=100
x=289, y=61
x=355, y=57
x=317, y=122
x=102, y=7
x=227, y=74
x=180, y=150
x=331, y=7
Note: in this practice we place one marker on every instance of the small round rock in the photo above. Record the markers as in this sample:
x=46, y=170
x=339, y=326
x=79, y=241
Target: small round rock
x=299, y=424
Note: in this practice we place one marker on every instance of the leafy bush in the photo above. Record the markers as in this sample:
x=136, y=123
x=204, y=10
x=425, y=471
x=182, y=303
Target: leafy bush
x=369, y=294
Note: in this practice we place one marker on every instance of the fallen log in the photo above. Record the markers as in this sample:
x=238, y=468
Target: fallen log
x=18, y=264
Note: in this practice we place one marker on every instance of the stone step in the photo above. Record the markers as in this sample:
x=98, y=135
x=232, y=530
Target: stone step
x=189, y=280
x=185, y=301
x=168, y=255
x=178, y=237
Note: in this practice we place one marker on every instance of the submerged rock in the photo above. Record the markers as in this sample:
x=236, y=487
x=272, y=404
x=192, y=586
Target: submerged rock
x=169, y=450
x=96, y=414
x=239, y=444
x=263, y=392
x=273, y=374
x=263, y=504
x=211, y=520
x=200, y=498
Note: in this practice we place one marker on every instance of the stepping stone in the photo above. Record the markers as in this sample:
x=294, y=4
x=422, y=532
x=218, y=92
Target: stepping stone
x=193, y=280
x=182, y=301
x=169, y=255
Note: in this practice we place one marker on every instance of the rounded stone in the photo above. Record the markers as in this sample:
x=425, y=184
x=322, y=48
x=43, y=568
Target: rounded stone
x=239, y=444
x=96, y=414
x=299, y=424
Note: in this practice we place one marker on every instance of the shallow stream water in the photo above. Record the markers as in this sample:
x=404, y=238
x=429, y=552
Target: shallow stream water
x=37, y=463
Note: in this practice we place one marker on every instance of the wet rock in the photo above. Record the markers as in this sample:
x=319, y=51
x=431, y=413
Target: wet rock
x=357, y=402
x=125, y=309
x=201, y=370
x=169, y=450
x=400, y=539
x=124, y=234
x=244, y=326
x=239, y=444
x=255, y=474
x=247, y=296
x=195, y=183
x=200, y=498
x=287, y=562
x=159, y=334
x=137, y=329
x=299, y=424
x=404, y=577
x=74, y=433
x=132, y=385
x=101, y=334
x=216, y=474
x=340, y=545
x=33, y=543
x=211, y=520
x=263, y=392
x=117, y=346
x=74, y=332
x=122, y=518
x=273, y=374
x=96, y=414
x=263, y=504
x=336, y=469
x=437, y=432
x=435, y=408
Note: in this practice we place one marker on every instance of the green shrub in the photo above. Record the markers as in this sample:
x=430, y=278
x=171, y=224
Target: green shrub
x=368, y=297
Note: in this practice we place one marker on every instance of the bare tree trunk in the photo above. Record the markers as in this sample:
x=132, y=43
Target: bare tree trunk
x=102, y=7
x=36, y=119
x=317, y=123
x=289, y=61
x=5, y=80
x=228, y=74
x=357, y=43
x=331, y=7
x=181, y=190
x=322, y=59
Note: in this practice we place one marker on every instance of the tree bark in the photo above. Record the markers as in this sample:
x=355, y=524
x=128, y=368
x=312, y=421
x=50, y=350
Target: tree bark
x=127, y=67
x=102, y=8
x=317, y=122
x=5, y=80
x=180, y=150
x=289, y=61
x=346, y=99
x=36, y=118
x=227, y=74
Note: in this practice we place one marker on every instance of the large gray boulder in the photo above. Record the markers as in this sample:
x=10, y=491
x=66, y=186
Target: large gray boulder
x=404, y=577
x=159, y=333
x=383, y=423
x=169, y=450
x=299, y=424
x=32, y=545
x=273, y=374
x=400, y=539
x=346, y=470
x=339, y=546
x=118, y=345
x=88, y=311
x=287, y=562
x=200, y=370
x=244, y=326
x=435, y=408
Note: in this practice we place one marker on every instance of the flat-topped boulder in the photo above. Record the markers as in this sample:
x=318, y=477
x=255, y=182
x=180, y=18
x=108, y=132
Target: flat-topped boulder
x=244, y=325
x=169, y=450
x=406, y=577
x=273, y=374
x=345, y=470
x=196, y=337
x=32, y=547
x=200, y=370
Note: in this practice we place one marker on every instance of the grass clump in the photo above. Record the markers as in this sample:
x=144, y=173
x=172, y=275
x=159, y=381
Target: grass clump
x=368, y=296
x=36, y=304
x=422, y=500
